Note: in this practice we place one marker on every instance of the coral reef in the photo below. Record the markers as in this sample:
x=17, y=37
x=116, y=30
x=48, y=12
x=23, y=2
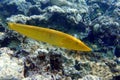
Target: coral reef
x=10, y=68
x=96, y=22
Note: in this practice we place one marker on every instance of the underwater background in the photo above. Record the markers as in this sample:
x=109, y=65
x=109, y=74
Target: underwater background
x=95, y=22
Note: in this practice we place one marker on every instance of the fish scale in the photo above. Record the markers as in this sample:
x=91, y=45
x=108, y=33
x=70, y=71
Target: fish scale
x=50, y=36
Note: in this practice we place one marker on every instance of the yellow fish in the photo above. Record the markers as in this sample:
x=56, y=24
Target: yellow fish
x=50, y=36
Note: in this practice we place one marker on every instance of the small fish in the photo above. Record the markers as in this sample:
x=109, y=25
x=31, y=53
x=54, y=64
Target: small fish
x=50, y=36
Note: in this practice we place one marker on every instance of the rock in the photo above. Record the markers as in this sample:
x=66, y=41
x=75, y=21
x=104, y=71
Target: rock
x=91, y=77
x=18, y=18
x=11, y=39
x=19, y=7
x=6, y=50
x=105, y=32
x=69, y=17
x=116, y=77
x=38, y=77
x=117, y=51
x=38, y=51
x=118, y=60
x=10, y=68
x=60, y=2
x=93, y=21
x=102, y=1
x=2, y=27
x=117, y=4
x=2, y=36
x=117, y=12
